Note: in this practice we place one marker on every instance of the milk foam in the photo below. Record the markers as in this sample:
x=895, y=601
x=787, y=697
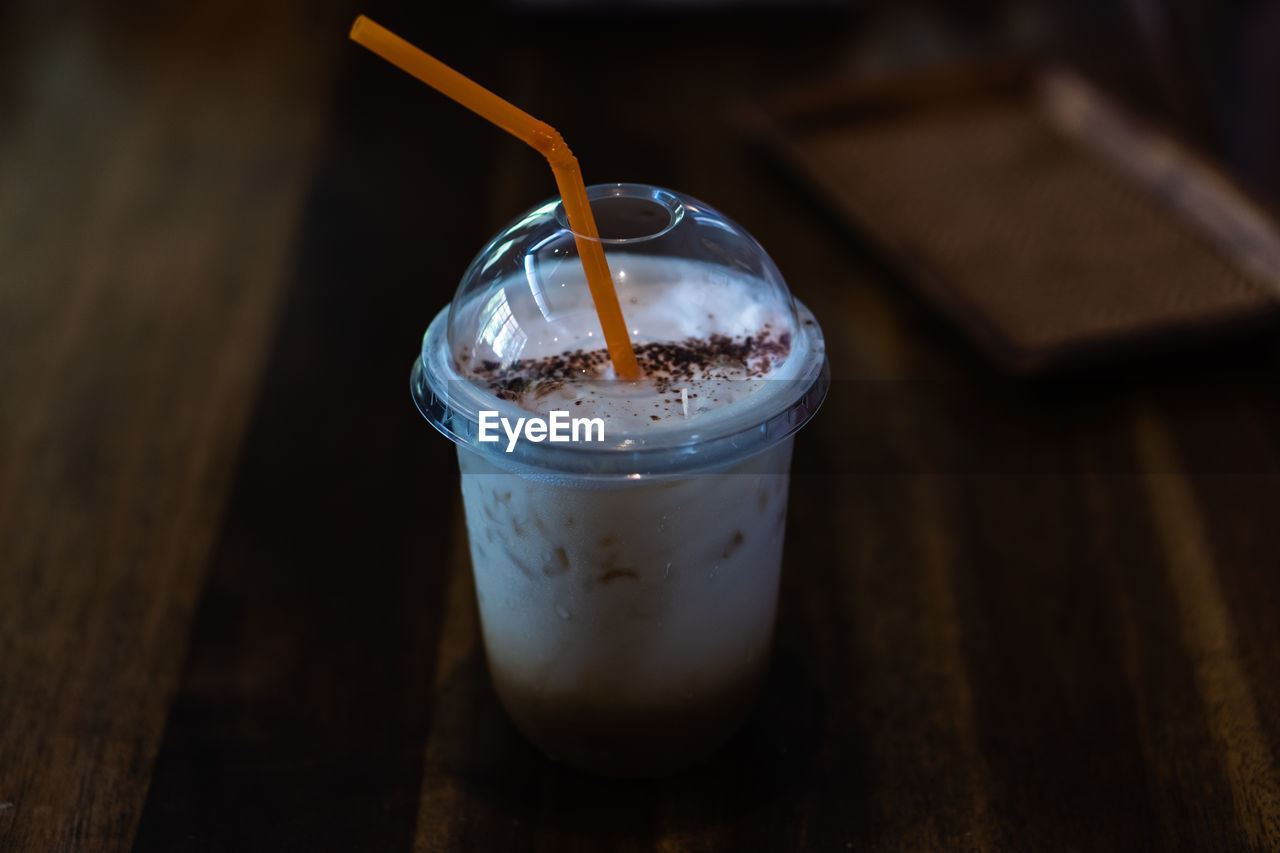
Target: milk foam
x=699, y=328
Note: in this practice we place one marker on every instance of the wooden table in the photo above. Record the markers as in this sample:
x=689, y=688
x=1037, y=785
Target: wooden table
x=235, y=602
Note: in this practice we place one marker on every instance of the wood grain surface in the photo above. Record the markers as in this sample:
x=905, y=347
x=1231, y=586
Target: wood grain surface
x=236, y=609
x=155, y=161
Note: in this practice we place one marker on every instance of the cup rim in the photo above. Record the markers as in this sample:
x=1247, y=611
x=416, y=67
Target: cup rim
x=451, y=403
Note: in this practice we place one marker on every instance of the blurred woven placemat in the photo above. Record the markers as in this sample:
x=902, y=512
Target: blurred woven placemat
x=1052, y=228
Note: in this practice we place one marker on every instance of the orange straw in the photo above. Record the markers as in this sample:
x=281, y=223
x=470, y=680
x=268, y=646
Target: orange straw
x=548, y=142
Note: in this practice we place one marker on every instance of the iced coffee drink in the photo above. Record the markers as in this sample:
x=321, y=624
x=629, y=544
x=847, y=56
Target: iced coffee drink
x=627, y=577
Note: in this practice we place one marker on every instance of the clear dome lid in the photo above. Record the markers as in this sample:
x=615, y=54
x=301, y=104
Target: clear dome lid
x=708, y=314
x=525, y=295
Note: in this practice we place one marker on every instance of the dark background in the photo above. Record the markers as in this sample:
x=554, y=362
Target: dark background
x=235, y=604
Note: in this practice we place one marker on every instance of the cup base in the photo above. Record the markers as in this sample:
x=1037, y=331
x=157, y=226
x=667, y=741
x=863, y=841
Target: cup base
x=612, y=736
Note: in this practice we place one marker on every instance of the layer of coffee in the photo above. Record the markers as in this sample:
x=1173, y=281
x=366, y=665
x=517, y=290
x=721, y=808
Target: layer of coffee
x=602, y=732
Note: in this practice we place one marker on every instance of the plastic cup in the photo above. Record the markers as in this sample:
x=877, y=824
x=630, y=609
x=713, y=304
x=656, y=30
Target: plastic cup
x=627, y=587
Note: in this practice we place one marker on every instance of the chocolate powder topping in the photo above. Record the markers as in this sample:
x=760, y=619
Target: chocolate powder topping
x=667, y=365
